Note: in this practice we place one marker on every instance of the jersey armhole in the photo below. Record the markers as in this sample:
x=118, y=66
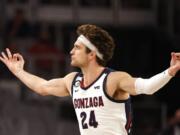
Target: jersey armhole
x=73, y=82
x=106, y=94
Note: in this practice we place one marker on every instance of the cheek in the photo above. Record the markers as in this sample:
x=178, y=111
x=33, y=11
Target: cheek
x=83, y=58
x=82, y=54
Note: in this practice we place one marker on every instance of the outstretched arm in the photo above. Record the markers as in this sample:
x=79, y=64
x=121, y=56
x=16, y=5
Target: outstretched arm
x=137, y=86
x=57, y=87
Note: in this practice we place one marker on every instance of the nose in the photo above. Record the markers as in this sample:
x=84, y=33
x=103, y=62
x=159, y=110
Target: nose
x=72, y=51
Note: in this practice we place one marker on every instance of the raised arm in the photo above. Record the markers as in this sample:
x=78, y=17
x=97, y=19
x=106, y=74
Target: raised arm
x=56, y=87
x=135, y=86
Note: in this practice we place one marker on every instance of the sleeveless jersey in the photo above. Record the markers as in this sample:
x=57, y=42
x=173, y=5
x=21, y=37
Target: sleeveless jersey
x=98, y=113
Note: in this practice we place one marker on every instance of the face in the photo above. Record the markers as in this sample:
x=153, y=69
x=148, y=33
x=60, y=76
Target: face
x=79, y=56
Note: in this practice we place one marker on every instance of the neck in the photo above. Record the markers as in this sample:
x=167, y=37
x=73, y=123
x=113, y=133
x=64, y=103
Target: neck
x=90, y=73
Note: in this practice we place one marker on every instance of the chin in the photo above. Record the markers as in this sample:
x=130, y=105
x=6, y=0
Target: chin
x=74, y=64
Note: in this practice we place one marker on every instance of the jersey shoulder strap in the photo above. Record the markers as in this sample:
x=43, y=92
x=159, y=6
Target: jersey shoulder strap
x=75, y=81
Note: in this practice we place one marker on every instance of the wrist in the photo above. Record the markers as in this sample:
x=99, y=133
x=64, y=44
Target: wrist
x=171, y=71
x=18, y=73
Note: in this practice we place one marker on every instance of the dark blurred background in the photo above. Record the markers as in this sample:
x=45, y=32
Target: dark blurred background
x=43, y=31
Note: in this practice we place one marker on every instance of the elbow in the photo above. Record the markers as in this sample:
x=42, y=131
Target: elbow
x=149, y=93
x=134, y=93
x=43, y=94
x=146, y=93
x=151, y=90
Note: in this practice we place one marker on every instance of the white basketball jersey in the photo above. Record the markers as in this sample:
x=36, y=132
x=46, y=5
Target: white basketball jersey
x=97, y=113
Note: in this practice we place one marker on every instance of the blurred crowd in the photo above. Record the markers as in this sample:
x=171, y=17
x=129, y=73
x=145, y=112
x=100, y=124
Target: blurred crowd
x=47, y=54
x=35, y=40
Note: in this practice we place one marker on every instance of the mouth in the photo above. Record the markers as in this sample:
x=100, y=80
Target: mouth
x=72, y=57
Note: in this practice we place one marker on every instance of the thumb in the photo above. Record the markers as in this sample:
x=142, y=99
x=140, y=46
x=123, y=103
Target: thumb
x=173, y=55
x=19, y=57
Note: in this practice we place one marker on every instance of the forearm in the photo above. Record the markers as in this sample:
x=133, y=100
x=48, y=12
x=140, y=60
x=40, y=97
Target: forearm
x=35, y=83
x=173, y=70
x=153, y=84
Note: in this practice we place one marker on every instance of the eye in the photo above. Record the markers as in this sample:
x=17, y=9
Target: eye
x=76, y=46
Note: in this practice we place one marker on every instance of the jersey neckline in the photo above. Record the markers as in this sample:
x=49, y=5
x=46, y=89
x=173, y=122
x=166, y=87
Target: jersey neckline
x=85, y=88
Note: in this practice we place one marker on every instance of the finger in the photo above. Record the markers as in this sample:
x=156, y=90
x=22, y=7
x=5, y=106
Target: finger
x=19, y=57
x=9, y=53
x=4, y=55
x=173, y=56
x=1, y=59
x=15, y=58
x=177, y=55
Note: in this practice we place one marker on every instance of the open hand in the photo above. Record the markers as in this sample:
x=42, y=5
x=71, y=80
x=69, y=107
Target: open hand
x=14, y=62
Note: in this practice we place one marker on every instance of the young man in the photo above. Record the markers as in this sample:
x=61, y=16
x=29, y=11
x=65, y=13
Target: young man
x=101, y=96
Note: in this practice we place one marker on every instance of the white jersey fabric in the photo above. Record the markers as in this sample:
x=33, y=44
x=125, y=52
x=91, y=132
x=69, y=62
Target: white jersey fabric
x=98, y=113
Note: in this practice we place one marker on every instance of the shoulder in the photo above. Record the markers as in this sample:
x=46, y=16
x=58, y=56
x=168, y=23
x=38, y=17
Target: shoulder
x=70, y=76
x=114, y=80
x=117, y=78
x=116, y=75
x=68, y=79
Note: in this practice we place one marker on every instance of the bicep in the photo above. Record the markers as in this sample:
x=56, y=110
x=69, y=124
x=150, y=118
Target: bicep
x=56, y=87
x=60, y=86
x=126, y=83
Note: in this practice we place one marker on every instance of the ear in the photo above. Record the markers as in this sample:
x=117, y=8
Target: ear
x=92, y=55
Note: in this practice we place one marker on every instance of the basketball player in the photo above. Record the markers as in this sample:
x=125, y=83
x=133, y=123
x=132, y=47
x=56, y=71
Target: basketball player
x=101, y=96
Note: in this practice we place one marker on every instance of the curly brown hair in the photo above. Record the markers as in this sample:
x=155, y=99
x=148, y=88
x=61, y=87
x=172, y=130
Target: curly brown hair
x=101, y=39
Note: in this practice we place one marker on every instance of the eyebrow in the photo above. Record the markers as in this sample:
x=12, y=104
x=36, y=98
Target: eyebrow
x=77, y=45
